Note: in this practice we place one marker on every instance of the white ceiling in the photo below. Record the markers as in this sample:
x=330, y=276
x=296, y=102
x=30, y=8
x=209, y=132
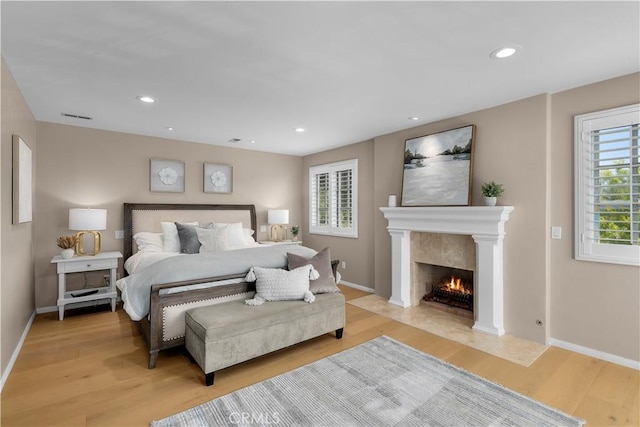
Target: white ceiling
x=345, y=71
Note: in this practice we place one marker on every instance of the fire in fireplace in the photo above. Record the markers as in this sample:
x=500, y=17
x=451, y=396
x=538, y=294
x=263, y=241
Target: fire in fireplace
x=453, y=291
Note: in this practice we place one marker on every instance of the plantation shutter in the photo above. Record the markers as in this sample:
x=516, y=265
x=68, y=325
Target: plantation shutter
x=333, y=198
x=608, y=186
x=614, y=190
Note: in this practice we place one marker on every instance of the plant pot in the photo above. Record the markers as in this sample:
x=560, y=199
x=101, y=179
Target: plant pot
x=67, y=253
x=490, y=201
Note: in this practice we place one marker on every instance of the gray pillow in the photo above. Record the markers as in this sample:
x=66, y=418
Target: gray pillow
x=189, y=243
x=326, y=283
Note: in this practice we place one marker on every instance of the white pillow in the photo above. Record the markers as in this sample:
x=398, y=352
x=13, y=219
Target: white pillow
x=277, y=284
x=170, y=236
x=235, y=234
x=248, y=236
x=149, y=242
x=213, y=239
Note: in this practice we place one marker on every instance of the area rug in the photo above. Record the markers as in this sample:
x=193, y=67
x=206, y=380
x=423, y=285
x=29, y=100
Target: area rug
x=379, y=383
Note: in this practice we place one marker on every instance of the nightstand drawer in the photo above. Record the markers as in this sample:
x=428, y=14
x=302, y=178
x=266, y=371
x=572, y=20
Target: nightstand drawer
x=87, y=265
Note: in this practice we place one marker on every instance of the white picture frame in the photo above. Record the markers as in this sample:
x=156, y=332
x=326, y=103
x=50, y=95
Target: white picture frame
x=22, y=181
x=218, y=178
x=166, y=176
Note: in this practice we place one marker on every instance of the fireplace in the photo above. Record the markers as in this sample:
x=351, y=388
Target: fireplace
x=484, y=224
x=451, y=287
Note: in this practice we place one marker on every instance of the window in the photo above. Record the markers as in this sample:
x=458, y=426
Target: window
x=607, y=168
x=333, y=199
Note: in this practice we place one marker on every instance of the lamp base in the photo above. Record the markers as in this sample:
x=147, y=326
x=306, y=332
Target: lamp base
x=97, y=243
x=278, y=233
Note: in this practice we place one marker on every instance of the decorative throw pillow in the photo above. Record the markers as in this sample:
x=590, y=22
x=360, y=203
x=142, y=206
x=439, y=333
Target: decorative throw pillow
x=189, y=243
x=277, y=284
x=148, y=242
x=326, y=283
x=213, y=239
x=170, y=236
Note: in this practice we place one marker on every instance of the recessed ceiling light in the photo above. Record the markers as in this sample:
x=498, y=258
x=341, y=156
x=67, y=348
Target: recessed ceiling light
x=299, y=130
x=253, y=141
x=505, y=52
x=414, y=118
x=169, y=128
x=147, y=99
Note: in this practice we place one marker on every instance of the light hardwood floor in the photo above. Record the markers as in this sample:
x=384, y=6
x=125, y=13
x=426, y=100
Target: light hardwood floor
x=91, y=369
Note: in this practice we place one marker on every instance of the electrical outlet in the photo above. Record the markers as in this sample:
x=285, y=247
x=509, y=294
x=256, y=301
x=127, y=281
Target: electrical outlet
x=344, y=265
x=119, y=234
x=263, y=228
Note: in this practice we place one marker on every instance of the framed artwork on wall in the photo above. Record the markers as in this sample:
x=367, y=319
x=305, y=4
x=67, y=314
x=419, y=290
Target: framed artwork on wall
x=166, y=176
x=438, y=168
x=218, y=178
x=22, y=181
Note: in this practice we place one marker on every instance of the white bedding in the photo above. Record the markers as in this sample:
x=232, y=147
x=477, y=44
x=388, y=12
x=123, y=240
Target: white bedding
x=173, y=267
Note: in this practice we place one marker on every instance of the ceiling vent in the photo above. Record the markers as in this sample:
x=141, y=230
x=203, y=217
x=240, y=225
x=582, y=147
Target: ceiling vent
x=77, y=116
x=235, y=140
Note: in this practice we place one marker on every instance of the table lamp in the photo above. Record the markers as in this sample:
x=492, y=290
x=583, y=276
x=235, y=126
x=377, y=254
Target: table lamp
x=278, y=218
x=88, y=221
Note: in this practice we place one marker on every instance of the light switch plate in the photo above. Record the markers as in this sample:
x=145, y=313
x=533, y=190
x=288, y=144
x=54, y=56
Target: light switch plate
x=119, y=234
x=556, y=232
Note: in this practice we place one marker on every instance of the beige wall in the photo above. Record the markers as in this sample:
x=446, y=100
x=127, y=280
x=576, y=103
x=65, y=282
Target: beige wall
x=595, y=305
x=16, y=252
x=357, y=253
x=80, y=167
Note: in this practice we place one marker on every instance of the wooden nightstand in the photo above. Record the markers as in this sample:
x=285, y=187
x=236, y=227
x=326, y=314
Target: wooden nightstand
x=284, y=242
x=78, y=264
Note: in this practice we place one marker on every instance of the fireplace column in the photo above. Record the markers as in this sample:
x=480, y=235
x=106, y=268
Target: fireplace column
x=488, y=284
x=400, y=267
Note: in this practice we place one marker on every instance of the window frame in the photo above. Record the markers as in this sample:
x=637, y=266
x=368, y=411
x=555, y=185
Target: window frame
x=587, y=249
x=332, y=168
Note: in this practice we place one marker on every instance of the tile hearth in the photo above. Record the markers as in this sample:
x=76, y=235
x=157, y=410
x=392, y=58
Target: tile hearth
x=455, y=328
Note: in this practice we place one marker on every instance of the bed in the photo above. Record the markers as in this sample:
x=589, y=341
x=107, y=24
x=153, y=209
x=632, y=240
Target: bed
x=158, y=290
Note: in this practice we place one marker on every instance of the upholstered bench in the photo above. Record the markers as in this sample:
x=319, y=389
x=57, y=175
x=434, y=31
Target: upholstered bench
x=223, y=335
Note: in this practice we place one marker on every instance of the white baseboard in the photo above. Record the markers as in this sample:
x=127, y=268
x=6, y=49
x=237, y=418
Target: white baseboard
x=633, y=364
x=16, y=352
x=355, y=286
x=41, y=310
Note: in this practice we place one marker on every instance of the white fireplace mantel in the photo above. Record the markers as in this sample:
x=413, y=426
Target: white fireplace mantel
x=485, y=224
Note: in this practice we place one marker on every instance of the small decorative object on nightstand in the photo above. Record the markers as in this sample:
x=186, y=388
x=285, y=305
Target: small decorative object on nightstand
x=101, y=261
x=67, y=244
x=295, y=229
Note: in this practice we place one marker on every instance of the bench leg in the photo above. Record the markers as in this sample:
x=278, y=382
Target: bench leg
x=208, y=378
x=339, y=333
x=153, y=358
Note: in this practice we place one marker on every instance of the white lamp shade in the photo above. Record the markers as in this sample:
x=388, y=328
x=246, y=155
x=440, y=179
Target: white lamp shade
x=278, y=216
x=87, y=219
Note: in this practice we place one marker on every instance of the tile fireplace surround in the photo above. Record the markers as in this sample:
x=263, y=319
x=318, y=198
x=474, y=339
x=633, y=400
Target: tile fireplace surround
x=485, y=224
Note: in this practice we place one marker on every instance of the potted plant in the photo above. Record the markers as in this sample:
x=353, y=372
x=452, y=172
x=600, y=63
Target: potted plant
x=295, y=229
x=67, y=244
x=491, y=191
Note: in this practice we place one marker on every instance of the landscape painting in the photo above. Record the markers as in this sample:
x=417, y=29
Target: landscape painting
x=438, y=167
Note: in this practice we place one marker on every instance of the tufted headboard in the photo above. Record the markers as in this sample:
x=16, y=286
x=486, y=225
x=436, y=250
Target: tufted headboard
x=147, y=217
